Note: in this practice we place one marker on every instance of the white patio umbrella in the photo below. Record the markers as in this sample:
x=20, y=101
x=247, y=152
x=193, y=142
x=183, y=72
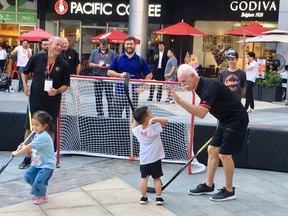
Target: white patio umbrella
x=268, y=39
x=272, y=36
x=275, y=31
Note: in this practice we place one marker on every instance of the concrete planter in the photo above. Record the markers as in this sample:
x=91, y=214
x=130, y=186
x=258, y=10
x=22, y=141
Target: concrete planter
x=270, y=94
x=257, y=91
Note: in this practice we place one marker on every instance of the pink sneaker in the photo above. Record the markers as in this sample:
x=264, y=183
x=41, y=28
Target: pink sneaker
x=40, y=200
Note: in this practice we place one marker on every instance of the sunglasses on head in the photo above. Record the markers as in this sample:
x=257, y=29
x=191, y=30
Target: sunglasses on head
x=231, y=54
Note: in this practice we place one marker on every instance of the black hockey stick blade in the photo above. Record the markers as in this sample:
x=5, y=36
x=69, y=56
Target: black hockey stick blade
x=152, y=190
x=11, y=157
x=6, y=164
x=126, y=90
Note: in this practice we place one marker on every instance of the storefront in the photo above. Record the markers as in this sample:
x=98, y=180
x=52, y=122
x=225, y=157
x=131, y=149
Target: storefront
x=81, y=20
x=16, y=17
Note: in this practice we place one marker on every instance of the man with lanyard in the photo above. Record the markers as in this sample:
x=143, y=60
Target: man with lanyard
x=100, y=59
x=71, y=56
x=232, y=77
x=45, y=94
x=128, y=62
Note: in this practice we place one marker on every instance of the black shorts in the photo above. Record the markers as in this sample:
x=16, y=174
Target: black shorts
x=33, y=109
x=230, y=140
x=153, y=169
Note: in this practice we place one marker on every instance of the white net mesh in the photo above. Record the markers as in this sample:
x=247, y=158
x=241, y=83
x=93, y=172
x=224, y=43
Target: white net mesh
x=93, y=124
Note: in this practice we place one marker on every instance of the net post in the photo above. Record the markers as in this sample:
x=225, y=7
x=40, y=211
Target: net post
x=58, y=139
x=131, y=134
x=190, y=153
x=131, y=140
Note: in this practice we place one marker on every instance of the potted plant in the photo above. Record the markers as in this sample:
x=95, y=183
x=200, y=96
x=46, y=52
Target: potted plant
x=270, y=87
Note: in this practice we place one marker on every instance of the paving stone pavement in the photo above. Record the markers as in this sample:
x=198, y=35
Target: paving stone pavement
x=258, y=192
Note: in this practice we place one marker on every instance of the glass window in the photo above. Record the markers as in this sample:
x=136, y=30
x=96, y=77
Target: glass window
x=9, y=33
x=87, y=45
x=71, y=30
x=93, y=23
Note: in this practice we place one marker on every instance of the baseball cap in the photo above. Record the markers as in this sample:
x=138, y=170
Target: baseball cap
x=231, y=54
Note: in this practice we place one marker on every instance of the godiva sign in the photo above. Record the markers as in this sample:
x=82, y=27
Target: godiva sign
x=253, y=9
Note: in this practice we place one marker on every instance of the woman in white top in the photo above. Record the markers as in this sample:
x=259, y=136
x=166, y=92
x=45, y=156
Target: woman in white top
x=284, y=77
x=3, y=57
x=251, y=68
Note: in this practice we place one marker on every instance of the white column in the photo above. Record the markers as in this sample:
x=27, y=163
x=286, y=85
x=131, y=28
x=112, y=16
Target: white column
x=138, y=21
x=282, y=48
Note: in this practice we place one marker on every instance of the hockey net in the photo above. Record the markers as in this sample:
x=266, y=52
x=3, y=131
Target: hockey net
x=86, y=130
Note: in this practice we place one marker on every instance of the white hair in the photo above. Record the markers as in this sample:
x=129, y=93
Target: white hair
x=55, y=38
x=187, y=69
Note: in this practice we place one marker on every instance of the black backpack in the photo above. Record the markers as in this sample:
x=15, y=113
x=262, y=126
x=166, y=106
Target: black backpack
x=5, y=84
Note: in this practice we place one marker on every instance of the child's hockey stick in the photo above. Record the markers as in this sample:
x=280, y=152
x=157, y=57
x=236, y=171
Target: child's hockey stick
x=11, y=158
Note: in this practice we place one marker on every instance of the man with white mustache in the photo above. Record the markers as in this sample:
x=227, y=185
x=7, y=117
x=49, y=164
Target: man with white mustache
x=228, y=138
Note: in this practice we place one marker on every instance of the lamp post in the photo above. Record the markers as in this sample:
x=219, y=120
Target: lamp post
x=244, y=46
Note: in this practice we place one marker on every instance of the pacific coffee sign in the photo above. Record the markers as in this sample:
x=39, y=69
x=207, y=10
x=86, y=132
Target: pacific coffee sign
x=253, y=9
x=101, y=8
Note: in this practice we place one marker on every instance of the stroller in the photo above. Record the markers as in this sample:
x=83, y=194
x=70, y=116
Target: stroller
x=6, y=82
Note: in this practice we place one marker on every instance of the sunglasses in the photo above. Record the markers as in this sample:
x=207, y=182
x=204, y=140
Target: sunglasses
x=231, y=54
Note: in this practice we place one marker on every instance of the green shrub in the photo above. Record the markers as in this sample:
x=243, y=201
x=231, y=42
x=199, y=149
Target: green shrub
x=271, y=79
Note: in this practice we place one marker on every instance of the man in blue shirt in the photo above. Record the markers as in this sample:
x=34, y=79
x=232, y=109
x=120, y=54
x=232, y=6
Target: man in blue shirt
x=128, y=62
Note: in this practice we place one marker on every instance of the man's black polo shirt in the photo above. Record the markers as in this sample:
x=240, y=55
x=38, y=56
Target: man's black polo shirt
x=72, y=57
x=221, y=103
x=60, y=75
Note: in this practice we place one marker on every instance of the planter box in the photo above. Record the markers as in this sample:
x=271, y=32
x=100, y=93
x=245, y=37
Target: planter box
x=257, y=92
x=270, y=94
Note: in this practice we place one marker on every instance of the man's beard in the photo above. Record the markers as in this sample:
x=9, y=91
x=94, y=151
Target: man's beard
x=129, y=51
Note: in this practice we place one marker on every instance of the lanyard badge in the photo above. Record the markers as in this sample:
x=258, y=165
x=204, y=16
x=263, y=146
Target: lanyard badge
x=48, y=82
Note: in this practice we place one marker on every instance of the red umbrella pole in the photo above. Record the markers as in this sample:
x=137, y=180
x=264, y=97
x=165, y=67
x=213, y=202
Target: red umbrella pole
x=180, y=51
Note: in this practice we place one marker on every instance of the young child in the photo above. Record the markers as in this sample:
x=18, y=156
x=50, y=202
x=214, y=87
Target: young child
x=151, y=150
x=43, y=156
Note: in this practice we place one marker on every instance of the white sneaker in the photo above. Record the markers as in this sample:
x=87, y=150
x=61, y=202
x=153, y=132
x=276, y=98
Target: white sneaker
x=197, y=167
x=250, y=110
